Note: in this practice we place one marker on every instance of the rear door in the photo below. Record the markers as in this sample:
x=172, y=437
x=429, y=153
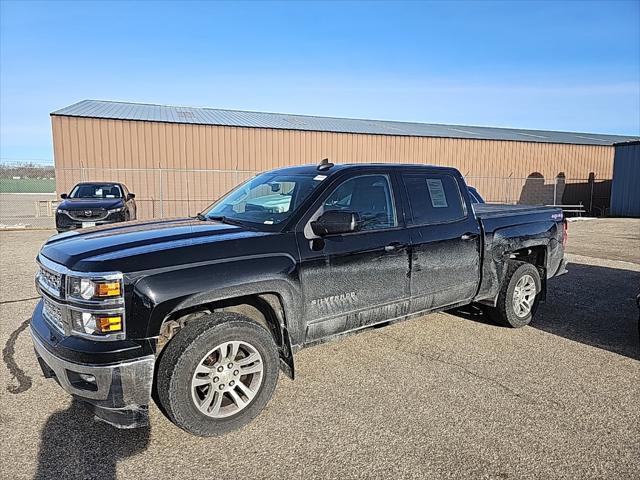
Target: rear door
x=360, y=278
x=445, y=239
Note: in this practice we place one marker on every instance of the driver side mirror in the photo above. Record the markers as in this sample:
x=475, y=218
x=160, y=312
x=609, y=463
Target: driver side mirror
x=131, y=196
x=335, y=222
x=63, y=196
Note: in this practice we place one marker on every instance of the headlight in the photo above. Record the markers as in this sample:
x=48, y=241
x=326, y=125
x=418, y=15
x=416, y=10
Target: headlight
x=115, y=210
x=97, y=324
x=60, y=210
x=93, y=289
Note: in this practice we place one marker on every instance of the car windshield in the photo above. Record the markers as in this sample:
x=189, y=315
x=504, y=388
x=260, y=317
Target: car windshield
x=267, y=199
x=96, y=190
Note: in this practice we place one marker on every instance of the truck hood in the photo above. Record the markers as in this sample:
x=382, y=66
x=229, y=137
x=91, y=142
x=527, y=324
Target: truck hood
x=144, y=245
x=88, y=203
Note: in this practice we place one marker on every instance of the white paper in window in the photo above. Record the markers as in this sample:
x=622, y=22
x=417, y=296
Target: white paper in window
x=436, y=191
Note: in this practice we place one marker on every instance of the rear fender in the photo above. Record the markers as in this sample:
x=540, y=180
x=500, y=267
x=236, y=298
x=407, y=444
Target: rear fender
x=512, y=243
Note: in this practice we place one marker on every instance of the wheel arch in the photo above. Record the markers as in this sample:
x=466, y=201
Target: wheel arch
x=536, y=255
x=264, y=307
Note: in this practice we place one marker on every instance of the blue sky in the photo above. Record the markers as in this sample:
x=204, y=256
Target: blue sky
x=548, y=65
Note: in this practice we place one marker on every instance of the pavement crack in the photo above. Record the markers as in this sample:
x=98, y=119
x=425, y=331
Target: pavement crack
x=8, y=353
x=468, y=371
x=4, y=302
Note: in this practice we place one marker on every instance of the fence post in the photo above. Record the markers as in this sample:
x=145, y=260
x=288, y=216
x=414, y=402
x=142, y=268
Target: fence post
x=592, y=181
x=506, y=190
x=161, y=195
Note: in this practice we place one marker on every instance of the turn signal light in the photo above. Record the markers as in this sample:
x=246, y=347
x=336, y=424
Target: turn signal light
x=109, y=324
x=108, y=289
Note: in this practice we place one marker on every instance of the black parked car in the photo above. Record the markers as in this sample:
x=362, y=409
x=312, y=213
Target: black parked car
x=92, y=203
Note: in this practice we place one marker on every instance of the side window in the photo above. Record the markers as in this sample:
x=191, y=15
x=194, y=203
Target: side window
x=370, y=196
x=433, y=198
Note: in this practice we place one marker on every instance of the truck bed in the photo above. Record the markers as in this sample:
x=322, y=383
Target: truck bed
x=491, y=210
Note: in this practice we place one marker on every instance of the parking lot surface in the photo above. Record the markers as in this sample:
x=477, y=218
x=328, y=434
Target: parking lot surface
x=448, y=395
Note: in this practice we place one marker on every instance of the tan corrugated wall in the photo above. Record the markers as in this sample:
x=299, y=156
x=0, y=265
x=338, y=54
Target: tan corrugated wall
x=100, y=145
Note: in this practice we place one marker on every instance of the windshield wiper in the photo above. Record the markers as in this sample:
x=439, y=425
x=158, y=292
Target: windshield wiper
x=220, y=218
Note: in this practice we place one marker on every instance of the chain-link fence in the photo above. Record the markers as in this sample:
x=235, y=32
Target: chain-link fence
x=589, y=194
x=28, y=196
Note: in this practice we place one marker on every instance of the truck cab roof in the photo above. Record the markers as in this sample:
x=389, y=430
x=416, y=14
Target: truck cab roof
x=342, y=167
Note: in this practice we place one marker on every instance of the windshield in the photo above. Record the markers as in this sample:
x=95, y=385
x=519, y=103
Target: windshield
x=96, y=190
x=267, y=199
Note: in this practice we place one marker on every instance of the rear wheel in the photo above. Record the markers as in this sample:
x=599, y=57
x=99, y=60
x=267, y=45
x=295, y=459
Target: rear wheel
x=217, y=374
x=519, y=296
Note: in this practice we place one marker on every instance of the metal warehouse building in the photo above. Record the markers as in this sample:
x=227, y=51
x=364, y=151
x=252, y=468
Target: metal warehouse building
x=178, y=159
x=625, y=190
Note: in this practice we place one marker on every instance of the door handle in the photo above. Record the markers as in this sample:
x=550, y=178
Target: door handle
x=469, y=236
x=394, y=246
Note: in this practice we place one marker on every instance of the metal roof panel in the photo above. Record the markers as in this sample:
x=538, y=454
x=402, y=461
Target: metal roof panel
x=240, y=118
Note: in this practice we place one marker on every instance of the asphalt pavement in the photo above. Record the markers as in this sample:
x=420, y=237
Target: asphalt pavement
x=448, y=395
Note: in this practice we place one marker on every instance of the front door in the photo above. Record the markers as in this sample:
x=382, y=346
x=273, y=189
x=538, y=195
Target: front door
x=445, y=240
x=357, y=279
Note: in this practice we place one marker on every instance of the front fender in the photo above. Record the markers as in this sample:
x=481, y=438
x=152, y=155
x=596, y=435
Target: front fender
x=160, y=294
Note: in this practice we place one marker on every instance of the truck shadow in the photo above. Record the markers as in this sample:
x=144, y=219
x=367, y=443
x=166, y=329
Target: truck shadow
x=74, y=445
x=592, y=305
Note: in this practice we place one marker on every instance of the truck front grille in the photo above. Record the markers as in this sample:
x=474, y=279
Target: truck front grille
x=50, y=280
x=53, y=313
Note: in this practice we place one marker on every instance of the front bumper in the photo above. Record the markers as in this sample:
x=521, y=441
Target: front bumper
x=120, y=393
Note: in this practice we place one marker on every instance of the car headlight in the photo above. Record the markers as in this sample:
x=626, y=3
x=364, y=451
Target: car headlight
x=115, y=210
x=91, y=289
x=97, y=324
x=61, y=210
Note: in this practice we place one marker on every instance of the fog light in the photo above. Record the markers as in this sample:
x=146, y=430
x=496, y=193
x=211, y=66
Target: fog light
x=87, y=378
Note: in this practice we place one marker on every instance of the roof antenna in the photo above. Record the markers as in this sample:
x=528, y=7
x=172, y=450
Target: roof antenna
x=324, y=165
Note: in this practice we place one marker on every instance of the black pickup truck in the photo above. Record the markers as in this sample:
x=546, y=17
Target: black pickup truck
x=202, y=313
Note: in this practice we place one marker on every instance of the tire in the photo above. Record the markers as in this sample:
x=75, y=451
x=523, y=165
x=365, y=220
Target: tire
x=504, y=313
x=196, y=346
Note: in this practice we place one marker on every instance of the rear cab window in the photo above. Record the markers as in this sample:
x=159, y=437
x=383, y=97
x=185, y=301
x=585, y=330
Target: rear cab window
x=433, y=198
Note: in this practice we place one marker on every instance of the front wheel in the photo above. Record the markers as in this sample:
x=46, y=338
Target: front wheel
x=217, y=374
x=519, y=296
